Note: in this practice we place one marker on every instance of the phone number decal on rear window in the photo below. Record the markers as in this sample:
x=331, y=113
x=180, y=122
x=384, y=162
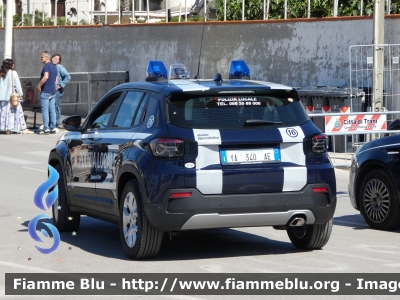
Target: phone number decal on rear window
x=238, y=101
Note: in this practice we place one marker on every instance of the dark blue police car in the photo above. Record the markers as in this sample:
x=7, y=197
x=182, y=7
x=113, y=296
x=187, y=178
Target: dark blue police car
x=173, y=154
x=374, y=181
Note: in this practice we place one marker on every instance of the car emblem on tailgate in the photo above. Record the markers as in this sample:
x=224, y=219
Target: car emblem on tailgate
x=291, y=132
x=189, y=165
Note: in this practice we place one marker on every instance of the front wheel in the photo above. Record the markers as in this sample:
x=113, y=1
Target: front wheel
x=139, y=239
x=379, y=201
x=63, y=218
x=311, y=236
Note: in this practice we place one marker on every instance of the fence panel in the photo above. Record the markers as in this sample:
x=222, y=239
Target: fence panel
x=83, y=91
x=362, y=74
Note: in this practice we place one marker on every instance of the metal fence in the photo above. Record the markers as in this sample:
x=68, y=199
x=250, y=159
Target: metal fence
x=83, y=91
x=362, y=74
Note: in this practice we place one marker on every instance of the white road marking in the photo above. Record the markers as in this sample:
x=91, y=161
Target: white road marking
x=337, y=267
x=33, y=169
x=18, y=161
x=373, y=248
x=393, y=265
x=358, y=256
x=212, y=268
x=39, y=153
x=26, y=268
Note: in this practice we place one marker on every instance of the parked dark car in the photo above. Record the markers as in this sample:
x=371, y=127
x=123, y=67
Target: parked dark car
x=374, y=181
x=169, y=155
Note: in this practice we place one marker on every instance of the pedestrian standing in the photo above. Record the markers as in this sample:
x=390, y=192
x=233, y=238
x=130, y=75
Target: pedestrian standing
x=63, y=78
x=47, y=88
x=11, y=117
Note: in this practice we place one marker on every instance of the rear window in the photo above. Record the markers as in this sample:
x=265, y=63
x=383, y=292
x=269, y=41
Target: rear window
x=236, y=111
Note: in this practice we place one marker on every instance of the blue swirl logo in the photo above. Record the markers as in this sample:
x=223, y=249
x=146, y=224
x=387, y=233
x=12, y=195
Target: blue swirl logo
x=44, y=187
x=50, y=199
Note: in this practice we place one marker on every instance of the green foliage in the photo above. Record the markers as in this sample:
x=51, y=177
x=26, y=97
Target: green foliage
x=27, y=20
x=60, y=20
x=295, y=9
x=320, y=8
x=40, y=18
x=253, y=9
x=195, y=18
x=16, y=20
x=99, y=19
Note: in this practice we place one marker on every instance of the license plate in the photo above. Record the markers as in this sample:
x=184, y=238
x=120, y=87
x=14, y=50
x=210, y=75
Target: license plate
x=250, y=156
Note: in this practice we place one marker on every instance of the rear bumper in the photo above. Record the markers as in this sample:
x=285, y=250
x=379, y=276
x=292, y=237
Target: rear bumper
x=240, y=210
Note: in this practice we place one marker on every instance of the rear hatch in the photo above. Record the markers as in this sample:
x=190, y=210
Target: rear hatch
x=242, y=143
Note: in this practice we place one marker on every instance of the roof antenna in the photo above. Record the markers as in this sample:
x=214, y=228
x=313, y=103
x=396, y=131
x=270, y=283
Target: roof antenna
x=201, y=46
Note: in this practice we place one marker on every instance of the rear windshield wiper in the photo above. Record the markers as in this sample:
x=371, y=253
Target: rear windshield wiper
x=259, y=122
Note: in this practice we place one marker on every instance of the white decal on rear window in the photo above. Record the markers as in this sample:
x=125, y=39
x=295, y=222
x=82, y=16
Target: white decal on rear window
x=236, y=101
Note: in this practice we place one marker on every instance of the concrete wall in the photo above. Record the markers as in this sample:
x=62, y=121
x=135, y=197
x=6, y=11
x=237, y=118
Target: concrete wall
x=294, y=52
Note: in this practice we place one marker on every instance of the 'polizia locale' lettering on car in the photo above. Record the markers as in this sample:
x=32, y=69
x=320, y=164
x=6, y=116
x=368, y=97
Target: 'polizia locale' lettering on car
x=173, y=153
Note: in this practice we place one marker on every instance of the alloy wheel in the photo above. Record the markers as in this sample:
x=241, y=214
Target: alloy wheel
x=376, y=200
x=130, y=219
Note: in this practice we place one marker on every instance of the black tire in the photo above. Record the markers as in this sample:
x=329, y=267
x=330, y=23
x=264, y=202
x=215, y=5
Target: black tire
x=311, y=236
x=61, y=211
x=139, y=239
x=379, y=201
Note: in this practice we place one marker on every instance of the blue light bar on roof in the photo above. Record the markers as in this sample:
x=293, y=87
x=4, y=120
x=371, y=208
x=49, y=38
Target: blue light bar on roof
x=239, y=70
x=156, y=70
x=178, y=71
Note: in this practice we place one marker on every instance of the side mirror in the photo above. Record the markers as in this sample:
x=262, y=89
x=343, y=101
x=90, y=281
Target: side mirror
x=72, y=123
x=395, y=125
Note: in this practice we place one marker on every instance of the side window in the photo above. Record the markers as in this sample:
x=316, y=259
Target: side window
x=152, y=109
x=128, y=109
x=139, y=115
x=103, y=113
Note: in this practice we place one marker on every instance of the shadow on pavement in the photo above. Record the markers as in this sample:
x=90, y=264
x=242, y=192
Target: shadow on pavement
x=102, y=238
x=356, y=222
x=217, y=243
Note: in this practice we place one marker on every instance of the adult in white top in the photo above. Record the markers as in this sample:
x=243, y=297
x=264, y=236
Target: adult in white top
x=11, y=118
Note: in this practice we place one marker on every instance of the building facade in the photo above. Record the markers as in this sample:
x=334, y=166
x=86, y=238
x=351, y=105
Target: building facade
x=103, y=11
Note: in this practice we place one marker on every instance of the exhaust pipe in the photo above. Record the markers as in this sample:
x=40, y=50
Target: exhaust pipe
x=297, y=222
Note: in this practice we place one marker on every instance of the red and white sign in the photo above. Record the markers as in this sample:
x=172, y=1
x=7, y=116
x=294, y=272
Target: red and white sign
x=356, y=123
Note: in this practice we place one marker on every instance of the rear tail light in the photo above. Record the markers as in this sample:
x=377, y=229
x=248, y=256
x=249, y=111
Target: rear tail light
x=320, y=143
x=320, y=190
x=167, y=147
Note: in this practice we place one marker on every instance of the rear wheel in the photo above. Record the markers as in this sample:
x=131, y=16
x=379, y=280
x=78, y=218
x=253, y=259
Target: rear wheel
x=311, y=236
x=63, y=218
x=379, y=201
x=139, y=239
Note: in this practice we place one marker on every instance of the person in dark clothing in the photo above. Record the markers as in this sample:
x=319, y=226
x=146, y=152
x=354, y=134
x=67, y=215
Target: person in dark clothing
x=47, y=88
